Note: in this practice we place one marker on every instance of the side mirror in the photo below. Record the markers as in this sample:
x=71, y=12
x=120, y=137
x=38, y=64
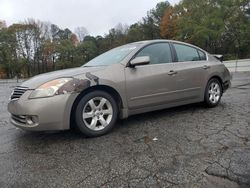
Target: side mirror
x=219, y=57
x=144, y=60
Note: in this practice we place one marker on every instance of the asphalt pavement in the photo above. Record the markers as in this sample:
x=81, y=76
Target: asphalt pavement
x=187, y=146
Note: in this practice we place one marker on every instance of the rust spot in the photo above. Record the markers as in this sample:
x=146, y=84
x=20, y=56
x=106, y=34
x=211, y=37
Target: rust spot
x=92, y=77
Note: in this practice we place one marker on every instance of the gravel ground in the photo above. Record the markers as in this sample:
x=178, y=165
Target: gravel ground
x=188, y=146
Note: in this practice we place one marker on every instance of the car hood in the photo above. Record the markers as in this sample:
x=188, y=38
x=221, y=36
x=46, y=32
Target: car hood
x=38, y=80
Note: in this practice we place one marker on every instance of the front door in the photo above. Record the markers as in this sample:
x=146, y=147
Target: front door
x=153, y=84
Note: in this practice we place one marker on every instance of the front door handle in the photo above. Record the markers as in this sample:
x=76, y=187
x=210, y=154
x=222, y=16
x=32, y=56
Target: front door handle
x=172, y=72
x=206, y=67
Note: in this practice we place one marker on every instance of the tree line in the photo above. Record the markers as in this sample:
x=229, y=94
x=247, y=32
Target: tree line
x=218, y=26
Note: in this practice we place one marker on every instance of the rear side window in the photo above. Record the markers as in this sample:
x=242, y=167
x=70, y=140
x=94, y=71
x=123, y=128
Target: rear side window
x=202, y=55
x=186, y=53
x=158, y=53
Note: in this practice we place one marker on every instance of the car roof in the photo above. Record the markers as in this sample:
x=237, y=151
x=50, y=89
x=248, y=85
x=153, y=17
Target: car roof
x=146, y=42
x=153, y=41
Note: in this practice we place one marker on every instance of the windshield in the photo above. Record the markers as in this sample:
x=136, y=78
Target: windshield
x=113, y=56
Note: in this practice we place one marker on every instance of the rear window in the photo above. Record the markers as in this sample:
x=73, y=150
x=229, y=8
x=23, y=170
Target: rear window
x=202, y=55
x=186, y=53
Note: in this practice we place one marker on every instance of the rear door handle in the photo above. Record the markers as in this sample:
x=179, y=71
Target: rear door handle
x=206, y=67
x=172, y=72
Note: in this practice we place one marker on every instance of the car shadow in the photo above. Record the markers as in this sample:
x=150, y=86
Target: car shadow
x=74, y=135
x=158, y=114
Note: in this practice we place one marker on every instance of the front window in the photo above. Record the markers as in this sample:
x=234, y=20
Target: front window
x=113, y=56
x=159, y=53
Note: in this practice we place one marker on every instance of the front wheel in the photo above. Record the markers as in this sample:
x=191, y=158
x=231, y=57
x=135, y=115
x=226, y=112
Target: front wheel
x=96, y=113
x=213, y=93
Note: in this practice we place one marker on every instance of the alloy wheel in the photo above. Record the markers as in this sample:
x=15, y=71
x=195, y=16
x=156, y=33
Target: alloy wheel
x=214, y=92
x=97, y=113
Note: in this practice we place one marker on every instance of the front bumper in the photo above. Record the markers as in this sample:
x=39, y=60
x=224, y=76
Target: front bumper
x=52, y=113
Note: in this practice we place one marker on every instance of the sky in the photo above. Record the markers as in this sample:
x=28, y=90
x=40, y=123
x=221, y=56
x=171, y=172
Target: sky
x=97, y=16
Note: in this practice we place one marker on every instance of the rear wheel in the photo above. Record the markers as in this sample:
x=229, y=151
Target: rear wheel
x=213, y=93
x=96, y=113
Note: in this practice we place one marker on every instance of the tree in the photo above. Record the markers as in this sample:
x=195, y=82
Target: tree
x=121, y=29
x=81, y=33
x=48, y=55
x=8, y=59
x=168, y=27
x=158, y=12
x=135, y=33
x=24, y=34
x=2, y=24
x=218, y=26
x=237, y=27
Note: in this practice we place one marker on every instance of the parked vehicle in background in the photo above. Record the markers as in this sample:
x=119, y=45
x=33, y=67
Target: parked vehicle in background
x=131, y=79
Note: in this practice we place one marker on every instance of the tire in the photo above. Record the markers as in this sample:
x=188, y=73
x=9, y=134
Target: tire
x=213, y=93
x=96, y=113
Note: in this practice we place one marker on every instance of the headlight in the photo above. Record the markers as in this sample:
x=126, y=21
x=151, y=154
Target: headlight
x=49, y=89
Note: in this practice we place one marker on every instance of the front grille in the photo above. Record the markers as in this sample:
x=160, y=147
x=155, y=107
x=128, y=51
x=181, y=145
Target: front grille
x=19, y=119
x=18, y=92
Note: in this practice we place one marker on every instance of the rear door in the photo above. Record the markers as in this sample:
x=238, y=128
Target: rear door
x=191, y=67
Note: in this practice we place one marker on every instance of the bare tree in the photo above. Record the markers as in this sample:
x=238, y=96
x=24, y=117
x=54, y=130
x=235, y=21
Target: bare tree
x=2, y=24
x=81, y=33
x=122, y=28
